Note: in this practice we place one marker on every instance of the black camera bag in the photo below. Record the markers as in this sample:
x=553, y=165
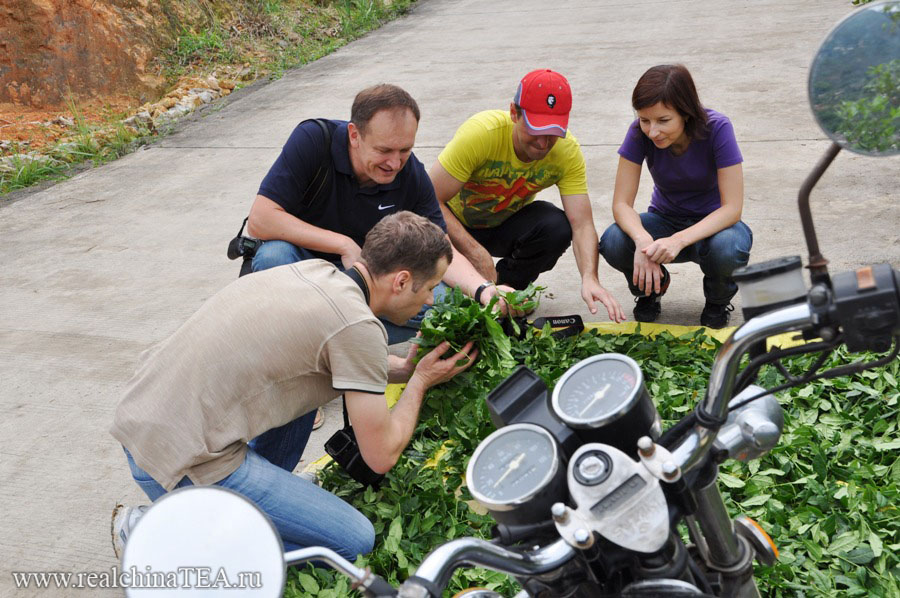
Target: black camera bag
x=342, y=447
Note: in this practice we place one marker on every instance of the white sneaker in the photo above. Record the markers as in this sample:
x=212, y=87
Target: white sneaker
x=123, y=521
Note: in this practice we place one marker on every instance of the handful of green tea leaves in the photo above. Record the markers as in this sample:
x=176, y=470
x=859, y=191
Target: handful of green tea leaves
x=459, y=319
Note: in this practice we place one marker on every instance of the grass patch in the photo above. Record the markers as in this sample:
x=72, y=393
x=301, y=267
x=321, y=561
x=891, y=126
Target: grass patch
x=26, y=172
x=192, y=46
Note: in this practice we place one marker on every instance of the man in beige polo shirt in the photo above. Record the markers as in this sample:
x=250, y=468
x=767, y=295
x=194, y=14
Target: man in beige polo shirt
x=229, y=399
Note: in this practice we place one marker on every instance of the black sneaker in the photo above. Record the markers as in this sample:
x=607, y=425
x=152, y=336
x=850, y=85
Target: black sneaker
x=715, y=315
x=647, y=307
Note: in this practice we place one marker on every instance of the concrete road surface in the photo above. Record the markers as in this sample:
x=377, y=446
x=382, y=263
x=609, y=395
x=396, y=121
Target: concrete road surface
x=99, y=268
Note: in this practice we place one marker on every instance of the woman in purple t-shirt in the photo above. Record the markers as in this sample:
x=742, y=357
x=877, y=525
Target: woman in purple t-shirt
x=698, y=195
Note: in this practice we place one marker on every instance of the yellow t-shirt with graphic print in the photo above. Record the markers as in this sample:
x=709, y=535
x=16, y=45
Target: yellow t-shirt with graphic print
x=498, y=184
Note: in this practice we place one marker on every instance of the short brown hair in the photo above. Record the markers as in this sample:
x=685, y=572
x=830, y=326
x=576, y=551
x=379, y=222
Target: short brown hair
x=383, y=96
x=672, y=85
x=406, y=241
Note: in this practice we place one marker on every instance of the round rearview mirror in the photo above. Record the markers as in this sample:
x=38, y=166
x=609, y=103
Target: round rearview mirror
x=854, y=81
x=206, y=541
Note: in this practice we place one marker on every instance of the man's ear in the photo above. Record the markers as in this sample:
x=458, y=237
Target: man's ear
x=512, y=111
x=353, y=135
x=402, y=280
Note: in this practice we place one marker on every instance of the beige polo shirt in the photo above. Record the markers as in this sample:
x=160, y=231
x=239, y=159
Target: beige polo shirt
x=260, y=353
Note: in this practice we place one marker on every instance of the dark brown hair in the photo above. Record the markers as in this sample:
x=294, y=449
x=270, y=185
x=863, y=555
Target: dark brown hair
x=672, y=85
x=406, y=241
x=383, y=96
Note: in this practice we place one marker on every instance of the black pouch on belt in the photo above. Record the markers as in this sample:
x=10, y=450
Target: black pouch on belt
x=343, y=448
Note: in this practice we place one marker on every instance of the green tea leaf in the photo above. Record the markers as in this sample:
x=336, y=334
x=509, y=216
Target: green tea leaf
x=843, y=542
x=730, y=480
x=308, y=583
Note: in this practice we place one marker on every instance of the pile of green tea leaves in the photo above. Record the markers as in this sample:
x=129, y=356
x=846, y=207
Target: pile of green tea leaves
x=828, y=494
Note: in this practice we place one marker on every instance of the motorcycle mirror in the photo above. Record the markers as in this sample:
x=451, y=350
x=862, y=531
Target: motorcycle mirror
x=198, y=539
x=854, y=81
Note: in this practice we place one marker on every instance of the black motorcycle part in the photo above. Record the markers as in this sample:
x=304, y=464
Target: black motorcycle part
x=378, y=588
x=510, y=534
x=669, y=563
x=867, y=306
x=624, y=432
x=523, y=398
x=672, y=436
x=626, y=414
x=680, y=499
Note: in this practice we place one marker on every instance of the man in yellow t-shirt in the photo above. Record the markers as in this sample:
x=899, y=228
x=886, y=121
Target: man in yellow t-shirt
x=486, y=180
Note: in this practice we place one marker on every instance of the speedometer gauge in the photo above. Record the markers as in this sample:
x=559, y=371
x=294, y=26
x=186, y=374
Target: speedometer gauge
x=603, y=397
x=514, y=468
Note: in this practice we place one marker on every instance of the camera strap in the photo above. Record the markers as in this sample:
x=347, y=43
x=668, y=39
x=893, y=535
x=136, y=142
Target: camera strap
x=317, y=184
x=342, y=446
x=356, y=276
x=563, y=326
x=243, y=224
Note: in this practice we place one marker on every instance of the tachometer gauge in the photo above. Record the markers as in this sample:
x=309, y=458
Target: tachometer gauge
x=603, y=390
x=514, y=469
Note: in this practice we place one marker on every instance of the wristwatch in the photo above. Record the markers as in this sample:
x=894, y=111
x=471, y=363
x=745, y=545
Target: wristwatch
x=480, y=290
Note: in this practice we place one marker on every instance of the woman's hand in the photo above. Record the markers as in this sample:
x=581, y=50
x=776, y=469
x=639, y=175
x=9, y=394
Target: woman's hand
x=646, y=275
x=664, y=250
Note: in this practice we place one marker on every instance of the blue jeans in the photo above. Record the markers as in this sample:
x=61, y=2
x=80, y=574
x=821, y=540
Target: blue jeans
x=304, y=514
x=718, y=255
x=278, y=253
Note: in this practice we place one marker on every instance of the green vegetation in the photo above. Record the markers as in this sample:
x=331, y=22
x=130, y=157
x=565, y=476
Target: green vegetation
x=827, y=494
x=25, y=172
x=94, y=144
x=266, y=37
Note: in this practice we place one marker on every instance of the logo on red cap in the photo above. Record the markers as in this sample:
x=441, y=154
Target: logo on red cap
x=546, y=100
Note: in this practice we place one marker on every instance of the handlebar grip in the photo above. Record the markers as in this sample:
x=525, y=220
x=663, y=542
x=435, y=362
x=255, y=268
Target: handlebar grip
x=431, y=589
x=378, y=587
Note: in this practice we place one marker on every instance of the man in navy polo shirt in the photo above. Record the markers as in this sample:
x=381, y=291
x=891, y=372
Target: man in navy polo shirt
x=373, y=173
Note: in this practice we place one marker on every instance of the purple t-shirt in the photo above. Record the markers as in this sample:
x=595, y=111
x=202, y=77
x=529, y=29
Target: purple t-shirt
x=686, y=185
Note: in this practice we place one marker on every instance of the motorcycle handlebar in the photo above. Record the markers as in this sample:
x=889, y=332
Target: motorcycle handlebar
x=364, y=580
x=435, y=571
x=714, y=408
x=866, y=313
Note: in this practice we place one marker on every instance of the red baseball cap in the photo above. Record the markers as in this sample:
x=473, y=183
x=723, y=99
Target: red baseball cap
x=546, y=100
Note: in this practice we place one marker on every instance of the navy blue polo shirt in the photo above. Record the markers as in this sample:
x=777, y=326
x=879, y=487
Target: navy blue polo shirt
x=347, y=208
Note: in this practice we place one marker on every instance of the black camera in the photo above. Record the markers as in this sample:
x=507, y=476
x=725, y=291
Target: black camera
x=243, y=247
x=342, y=447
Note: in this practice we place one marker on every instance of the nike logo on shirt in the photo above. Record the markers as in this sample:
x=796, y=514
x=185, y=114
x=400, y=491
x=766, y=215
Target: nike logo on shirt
x=381, y=207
